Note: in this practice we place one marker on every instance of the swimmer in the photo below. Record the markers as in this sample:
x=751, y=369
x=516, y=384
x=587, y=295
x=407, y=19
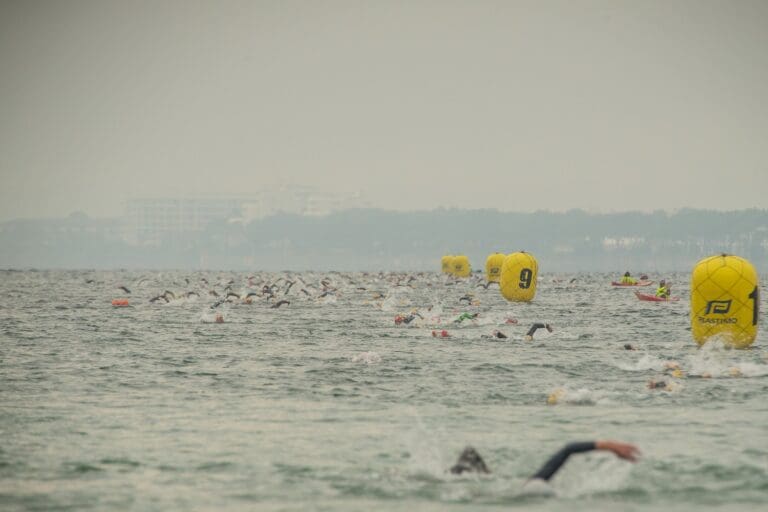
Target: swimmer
x=166, y=296
x=628, y=346
x=495, y=334
x=218, y=303
x=471, y=461
x=280, y=303
x=535, y=327
x=400, y=319
x=663, y=384
x=466, y=316
x=468, y=298
x=126, y=290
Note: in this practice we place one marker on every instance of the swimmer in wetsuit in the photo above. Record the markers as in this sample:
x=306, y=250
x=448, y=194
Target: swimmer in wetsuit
x=470, y=460
x=465, y=316
x=535, y=327
x=621, y=450
x=400, y=319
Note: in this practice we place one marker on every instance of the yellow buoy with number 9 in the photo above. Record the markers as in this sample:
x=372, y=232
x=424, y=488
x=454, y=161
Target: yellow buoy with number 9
x=518, y=277
x=461, y=266
x=446, y=263
x=724, y=300
x=493, y=267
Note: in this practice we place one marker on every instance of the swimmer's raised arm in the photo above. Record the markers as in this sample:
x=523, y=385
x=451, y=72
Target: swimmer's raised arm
x=625, y=451
x=622, y=450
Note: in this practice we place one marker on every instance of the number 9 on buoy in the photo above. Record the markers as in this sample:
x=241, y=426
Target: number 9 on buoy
x=518, y=277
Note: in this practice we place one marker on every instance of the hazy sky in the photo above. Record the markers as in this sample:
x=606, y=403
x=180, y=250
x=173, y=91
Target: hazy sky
x=602, y=105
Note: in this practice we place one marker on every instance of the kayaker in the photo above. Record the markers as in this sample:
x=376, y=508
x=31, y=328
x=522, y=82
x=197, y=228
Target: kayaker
x=628, y=279
x=471, y=461
x=663, y=291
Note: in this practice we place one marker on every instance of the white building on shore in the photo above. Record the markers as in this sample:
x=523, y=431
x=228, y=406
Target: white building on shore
x=151, y=220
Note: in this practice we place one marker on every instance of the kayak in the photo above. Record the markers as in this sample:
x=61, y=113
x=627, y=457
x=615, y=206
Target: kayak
x=639, y=283
x=653, y=298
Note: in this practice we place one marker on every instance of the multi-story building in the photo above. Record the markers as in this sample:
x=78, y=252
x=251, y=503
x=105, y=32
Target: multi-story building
x=151, y=220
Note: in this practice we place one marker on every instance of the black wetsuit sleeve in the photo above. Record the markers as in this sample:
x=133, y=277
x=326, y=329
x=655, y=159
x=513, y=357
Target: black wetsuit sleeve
x=548, y=470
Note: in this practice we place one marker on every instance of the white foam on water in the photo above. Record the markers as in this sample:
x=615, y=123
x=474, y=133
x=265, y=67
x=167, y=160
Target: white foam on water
x=646, y=362
x=366, y=357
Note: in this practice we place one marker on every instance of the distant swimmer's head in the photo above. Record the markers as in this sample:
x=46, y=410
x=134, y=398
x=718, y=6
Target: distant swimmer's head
x=469, y=461
x=644, y=277
x=662, y=282
x=548, y=327
x=399, y=319
x=628, y=346
x=626, y=274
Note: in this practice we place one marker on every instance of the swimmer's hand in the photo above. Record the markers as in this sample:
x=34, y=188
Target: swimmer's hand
x=622, y=450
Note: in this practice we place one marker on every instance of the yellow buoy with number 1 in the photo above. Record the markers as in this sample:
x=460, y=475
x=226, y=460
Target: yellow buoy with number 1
x=493, y=267
x=724, y=300
x=461, y=266
x=518, y=277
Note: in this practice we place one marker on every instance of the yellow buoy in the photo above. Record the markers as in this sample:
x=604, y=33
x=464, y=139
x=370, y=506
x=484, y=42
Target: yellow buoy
x=518, y=277
x=493, y=267
x=724, y=300
x=447, y=264
x=461, y=266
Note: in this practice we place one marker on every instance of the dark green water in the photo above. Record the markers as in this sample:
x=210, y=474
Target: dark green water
x=326, y=404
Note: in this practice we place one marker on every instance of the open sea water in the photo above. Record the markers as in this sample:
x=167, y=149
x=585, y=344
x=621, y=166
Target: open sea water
x=326, y=404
